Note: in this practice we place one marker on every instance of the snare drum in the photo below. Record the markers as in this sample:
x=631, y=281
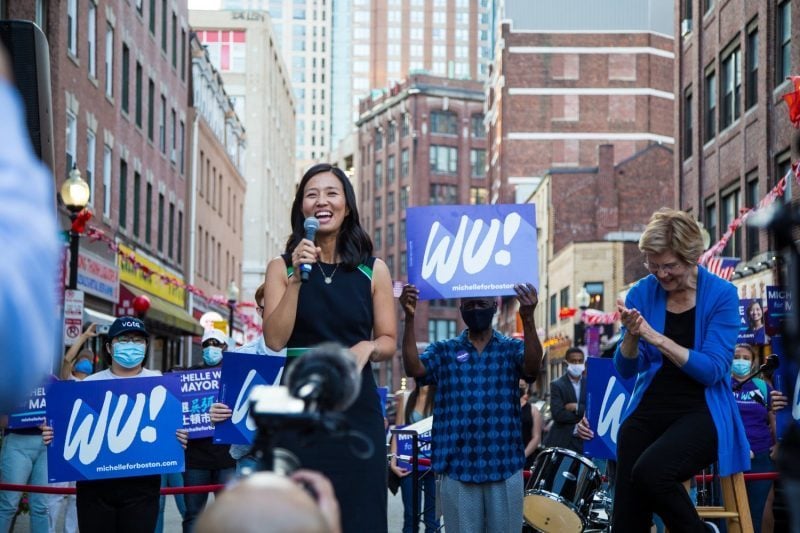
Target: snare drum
x=558, y=496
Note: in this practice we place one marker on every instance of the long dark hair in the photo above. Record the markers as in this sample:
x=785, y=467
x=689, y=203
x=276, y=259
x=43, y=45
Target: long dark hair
x=412, y=401
x=353, y=245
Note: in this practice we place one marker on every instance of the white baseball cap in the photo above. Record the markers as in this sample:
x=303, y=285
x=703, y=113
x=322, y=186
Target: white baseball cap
x=213, y=333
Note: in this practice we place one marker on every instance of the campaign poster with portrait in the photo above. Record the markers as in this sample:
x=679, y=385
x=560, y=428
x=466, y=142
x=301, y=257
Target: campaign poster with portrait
x=457, y=251
x=607, y=398
x=114, y=428
x=30, y=413
x=752, y=322
x=240, y=373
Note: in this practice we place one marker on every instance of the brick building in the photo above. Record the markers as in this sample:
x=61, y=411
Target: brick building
x=423, y=143
x=555, y=95
x=733, y=132
x=216, y=186
x=119, y=77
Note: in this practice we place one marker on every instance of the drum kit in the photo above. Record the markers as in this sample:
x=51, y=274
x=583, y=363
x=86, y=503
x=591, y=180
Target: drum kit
x=564, y=494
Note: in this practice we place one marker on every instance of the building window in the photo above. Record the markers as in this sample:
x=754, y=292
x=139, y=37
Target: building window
x=107, y=162
x=404, y=163
x=688, y=126
x=752, y=199
x=390, y=236
x=391, y=132
x=123, y=193
x=444, y=122
x=91, y=143
x=783, y=29
x=126, y=57
x=378, y=208
x=553, y=309
x=160, y=241
x=148, y=212
x=403, y=230
x=710, y=106
x=181, y=146
x=152, y=21
x=564, y=297
x=443, y=194
x=109, y=61
x=595, y=290
x=390, y=205
x=476, y=126
x=390, y=169
x=403, y=197
x=151, y=103
x=174, y=40
x=137, y=192
x=711, y=220
x=405, y=126
x=751, y=89
x=731, y=88
x=378, y=139
x=180, y=237
x=377, y=236
x=171, y=228
x=440, y=329
x=728, y=213
x=173, y=135
x=443, y=159
x=390, y=264
x=91, y=46
x=71, y=144
x=138, y=95
x=164, y=26
x=162, y=125
x=378, y=175
x=72, y=27
x=477, y=162
x=478, y=195
x=183, y=78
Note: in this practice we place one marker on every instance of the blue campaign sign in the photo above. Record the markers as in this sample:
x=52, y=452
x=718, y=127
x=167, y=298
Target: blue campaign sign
x=751, y=331
x=198, y=390
x=607, y=397
x=240, y=373
x=113, y=428
x=456, y=251
x=787, y=380
x=30, y=413
x=779, y=305
x=405, y=443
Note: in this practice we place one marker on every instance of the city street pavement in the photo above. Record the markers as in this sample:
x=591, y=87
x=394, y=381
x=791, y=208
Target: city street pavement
x=172, y=519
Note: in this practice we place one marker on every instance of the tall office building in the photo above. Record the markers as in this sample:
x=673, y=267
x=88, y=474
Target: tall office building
x=242, y=48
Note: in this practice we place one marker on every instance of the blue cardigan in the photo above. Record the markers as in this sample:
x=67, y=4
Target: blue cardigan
x=715, y=331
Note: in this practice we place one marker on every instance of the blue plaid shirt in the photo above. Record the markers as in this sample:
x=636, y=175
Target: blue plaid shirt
x=476, y=414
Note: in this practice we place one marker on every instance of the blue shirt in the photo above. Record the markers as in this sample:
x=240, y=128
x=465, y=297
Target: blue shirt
x=476, y=414
x=30, y=326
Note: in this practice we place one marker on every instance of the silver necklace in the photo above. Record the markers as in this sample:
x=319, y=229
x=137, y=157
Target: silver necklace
x=328, y=279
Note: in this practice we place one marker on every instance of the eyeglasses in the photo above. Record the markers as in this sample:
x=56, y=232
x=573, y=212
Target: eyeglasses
x=134, y=339
x=668, y=268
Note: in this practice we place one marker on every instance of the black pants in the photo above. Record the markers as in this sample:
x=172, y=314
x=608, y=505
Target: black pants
x=121, y=505
x=655, y=455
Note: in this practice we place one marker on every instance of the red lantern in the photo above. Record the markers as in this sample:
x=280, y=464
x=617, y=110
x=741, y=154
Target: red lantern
x=141, y=304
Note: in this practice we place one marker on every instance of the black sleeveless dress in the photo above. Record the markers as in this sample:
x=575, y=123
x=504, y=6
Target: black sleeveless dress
x=342, y=312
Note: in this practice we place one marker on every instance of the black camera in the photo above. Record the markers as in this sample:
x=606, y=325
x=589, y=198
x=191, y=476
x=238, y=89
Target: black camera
x=319, y=385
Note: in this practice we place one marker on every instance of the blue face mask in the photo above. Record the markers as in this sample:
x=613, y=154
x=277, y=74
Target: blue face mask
x=83, y=366
x=212, y=355
x=129, y=354
x=740, y=367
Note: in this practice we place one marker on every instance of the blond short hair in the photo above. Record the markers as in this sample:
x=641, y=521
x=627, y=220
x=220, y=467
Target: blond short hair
x=671, y=230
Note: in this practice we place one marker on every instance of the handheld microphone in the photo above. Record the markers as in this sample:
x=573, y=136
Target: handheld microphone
x=311, y=225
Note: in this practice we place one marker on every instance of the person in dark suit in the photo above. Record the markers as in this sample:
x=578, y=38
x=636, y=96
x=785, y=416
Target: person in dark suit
x=568, y=403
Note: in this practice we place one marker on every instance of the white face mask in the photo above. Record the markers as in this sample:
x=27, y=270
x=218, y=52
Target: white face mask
x=575, y=370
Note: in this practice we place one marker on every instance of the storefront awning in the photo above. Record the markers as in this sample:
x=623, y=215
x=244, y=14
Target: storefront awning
x=169, y=314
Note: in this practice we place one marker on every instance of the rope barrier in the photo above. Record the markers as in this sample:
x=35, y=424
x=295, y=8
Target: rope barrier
x=196, y=489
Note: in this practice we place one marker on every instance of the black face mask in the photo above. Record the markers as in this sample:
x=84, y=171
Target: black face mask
x=478, y=319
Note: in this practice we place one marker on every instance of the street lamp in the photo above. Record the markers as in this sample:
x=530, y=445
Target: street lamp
x=583, y=298
x=75, y=195
x=233, y=297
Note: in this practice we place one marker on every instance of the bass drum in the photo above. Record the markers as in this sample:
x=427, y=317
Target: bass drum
x=559, y=493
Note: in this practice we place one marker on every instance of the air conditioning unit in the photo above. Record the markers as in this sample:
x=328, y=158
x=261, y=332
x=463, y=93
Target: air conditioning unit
x=686, y=27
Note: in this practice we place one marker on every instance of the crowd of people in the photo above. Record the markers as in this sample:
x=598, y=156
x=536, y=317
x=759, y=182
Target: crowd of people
x=693, y=404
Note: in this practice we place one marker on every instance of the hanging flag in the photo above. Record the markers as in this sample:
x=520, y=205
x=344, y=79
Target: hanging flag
x=722, y=266
x=793, y=101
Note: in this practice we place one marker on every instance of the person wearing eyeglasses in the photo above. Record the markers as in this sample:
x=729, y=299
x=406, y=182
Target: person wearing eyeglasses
x=128, y=503
x=679, y=329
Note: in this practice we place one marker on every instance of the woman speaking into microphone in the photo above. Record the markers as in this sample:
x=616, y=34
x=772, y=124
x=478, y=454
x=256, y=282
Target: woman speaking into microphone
x=679, y=328
x=327, y=289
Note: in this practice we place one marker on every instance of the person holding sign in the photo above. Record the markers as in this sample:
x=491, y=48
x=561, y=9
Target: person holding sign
x=206, y=463
x=79, y=363
x=328, y=287
x=127, y=504
x=477, y=423
x=679, y=326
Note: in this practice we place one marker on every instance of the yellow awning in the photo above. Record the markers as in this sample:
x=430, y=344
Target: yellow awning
x=167, y=313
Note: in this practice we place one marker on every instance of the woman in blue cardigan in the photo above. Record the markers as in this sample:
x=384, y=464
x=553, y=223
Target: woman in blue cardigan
x=679, y=328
